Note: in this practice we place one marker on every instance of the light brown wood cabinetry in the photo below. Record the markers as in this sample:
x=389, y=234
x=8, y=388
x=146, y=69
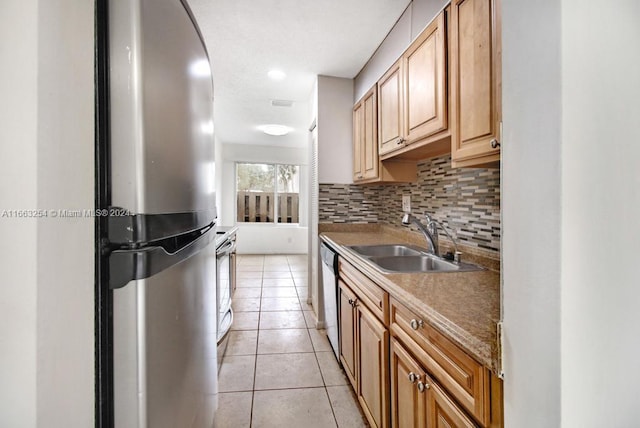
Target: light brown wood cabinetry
x=466, y=380
x=373, y=367
x=347, y=332
x=404, y=371
x=365, y=156
x=476, y=82
x=364, y=342
x=417, y=401
x=367, y=166
x=390, y=110
x=413, y=106
x=408, y=404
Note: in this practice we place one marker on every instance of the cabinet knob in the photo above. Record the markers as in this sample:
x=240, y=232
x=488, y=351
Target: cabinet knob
x=400, y=141
x=495, y=144
x=353, y=302
x=423, y=386
x=416, y=324
x=413, y=377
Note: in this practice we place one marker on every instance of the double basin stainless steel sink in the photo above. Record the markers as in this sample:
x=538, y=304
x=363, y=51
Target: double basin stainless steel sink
x=399, y=258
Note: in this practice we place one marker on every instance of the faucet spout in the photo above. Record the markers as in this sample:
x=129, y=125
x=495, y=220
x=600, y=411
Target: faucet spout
x=430, y=231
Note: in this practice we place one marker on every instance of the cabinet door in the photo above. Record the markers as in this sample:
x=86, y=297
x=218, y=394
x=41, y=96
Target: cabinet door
x=476, y=81
x=408, y=405
x=347, y=332
x=390, y=110
x=373, y=367
x=358, y=141
x=425, y=101
x=442, y=412
x=369, y=149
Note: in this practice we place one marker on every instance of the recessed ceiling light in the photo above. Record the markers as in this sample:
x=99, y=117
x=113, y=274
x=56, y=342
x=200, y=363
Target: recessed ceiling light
x=276, y=74
x=275, y=129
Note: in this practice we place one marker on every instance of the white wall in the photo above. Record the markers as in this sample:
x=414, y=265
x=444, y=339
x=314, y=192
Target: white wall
x=531, y=212
x=47, y=161
x=571, y=201
x=415, y=18
x=65, y=179
x=600, y=213
x=18, y=189
x=263, y=238
x=219, y=167
x=335, y=124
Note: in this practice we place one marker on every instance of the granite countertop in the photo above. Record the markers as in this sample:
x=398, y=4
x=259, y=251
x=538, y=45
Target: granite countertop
x=464, y=306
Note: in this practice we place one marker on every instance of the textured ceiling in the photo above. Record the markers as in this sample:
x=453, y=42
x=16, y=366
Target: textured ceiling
x=303, y=38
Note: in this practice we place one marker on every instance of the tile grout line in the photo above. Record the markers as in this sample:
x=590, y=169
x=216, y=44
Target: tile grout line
x=313, y=346
x=255, y=361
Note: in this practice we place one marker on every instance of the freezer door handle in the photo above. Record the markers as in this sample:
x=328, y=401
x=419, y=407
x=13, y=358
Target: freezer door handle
x=134, y=229
x=126, y=265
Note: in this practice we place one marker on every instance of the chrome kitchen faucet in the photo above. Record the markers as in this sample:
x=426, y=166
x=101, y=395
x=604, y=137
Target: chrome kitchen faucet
x=430, y=231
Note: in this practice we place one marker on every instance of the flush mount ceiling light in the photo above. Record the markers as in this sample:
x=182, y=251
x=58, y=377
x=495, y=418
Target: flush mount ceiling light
x=276, y=74
x=275, y=129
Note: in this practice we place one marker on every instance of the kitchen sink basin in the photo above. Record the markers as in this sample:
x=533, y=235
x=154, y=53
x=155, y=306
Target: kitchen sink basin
x=414, y=264
x=386, y=250
x=403, y=258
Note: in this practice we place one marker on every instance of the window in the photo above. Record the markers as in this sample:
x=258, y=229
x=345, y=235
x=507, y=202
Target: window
x=267, y=193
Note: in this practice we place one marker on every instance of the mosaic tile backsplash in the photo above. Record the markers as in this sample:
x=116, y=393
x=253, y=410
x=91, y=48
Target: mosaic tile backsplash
x=466, y=200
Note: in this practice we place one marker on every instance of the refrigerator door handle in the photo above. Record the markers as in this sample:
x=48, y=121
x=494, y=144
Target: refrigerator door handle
x=126, y=265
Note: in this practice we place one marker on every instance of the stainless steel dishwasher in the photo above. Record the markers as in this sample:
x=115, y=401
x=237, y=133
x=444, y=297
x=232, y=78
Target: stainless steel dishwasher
x=330, y=294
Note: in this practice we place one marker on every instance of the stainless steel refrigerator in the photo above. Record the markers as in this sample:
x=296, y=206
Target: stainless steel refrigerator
x=159, y=245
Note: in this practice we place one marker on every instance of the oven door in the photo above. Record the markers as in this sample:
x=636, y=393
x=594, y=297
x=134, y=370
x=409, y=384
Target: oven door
x=224, y=286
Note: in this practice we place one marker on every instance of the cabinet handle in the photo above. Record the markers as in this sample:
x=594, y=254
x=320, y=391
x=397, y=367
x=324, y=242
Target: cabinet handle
x=416, y=324
x=360, y=177
x=353, y=303
x=423, y=386
x=413, y=377
x=400, y=141
x=495, y=144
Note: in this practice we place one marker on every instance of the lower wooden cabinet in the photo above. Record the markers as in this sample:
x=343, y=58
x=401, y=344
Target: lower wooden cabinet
x=407, y=402
x=416, y=400
x=406, y=373
x=373, y=367
x=364, y=353
x=347, y=332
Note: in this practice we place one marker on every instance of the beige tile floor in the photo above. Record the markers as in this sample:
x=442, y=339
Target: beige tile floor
x=279, y=370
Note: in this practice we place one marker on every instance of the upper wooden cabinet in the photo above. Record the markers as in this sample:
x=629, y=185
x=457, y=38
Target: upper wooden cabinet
x=425, y=77
x=390, y=110
x=367, y=166
x=412, y=109
x=476, y=82
x=365, y=138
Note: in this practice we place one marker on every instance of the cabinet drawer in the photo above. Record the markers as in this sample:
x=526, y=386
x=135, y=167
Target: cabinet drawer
x=462, y=376
x=374, y=297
